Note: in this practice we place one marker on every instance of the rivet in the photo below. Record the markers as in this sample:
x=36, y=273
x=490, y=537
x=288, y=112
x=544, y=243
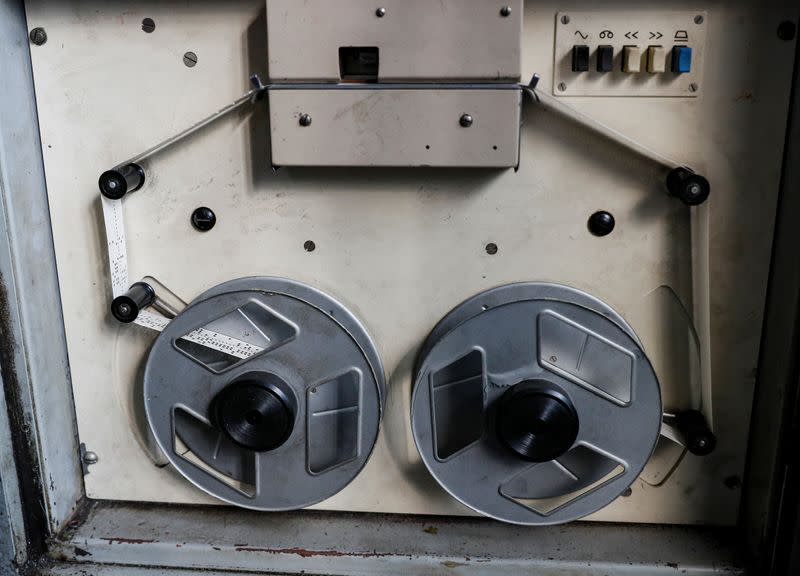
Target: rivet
x=90, y=458
x=466, y=120
x=305, y=120
x=380, y=12
x=505, y=11
x=38, y=36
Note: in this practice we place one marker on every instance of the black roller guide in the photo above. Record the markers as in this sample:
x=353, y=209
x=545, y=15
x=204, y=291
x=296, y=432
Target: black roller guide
x=700, y=440
x=692, y=189
x=537, y=420
x=126, y=307
x=117, y=182
x=254, y=416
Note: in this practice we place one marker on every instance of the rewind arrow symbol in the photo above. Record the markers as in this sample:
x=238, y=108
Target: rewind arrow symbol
x=630, y=35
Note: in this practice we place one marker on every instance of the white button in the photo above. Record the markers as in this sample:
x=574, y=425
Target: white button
x=631, y=59
x=656, y=59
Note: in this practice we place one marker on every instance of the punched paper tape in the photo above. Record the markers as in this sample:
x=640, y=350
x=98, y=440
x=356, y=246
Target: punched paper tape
x=118, y=263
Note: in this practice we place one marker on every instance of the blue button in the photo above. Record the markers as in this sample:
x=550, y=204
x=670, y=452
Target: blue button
x=681, y=59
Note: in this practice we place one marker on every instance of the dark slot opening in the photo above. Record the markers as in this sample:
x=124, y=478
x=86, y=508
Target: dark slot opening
x=359, y=64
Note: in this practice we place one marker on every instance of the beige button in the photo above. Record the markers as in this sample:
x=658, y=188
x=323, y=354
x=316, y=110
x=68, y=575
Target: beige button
x=631, y=59
x=656, y=59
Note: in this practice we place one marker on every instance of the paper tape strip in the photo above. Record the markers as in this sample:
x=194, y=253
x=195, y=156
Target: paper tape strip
x=118, y=263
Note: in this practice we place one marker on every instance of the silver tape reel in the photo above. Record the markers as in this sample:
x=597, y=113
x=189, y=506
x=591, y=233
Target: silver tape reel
x=286, y=426
x=535, y=404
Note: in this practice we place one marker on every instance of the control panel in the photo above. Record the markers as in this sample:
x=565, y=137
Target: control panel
x=628, y=54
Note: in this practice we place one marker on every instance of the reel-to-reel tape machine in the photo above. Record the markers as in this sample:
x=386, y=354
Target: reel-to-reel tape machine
x=418, y=280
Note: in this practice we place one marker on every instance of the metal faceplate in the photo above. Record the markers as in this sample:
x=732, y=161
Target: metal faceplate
x=313, y=353
x=527, y=332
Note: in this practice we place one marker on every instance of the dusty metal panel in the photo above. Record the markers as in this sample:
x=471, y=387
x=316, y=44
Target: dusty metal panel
x=395, y=128
x=417, y=39
x=36, y=374
x=347, y=544
x=402, y=247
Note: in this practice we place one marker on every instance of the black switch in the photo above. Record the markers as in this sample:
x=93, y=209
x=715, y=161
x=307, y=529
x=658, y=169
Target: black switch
x=605, y=58
x=580, y=58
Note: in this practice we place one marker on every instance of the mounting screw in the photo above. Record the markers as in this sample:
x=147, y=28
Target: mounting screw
x=627, y=492
x=190, y=59
x=505, y=11
x=309, y=246
x=562, y=87
x=380, y=12
x=466, y=120
x=90, y=458
x=204, y=219
x=693, y=87
x=491, y=249
x=148, y=25
x=601, y=223
x=699, y=19
x=565, y=19
x=305, y=120
x=38, y=36
x=787, y=30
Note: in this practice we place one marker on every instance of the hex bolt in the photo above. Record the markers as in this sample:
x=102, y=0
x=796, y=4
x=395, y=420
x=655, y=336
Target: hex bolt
x=466, y=120
x=38, y=36
x=190, y=59
x=505, y=11
x=380, y=12
x=90, y=458
x=306, y=120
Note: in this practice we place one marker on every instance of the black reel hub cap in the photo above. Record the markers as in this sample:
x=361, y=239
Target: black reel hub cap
x=537, y=421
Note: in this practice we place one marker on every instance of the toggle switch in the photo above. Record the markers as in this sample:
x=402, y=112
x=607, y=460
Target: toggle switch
x=605, y=58
x=681, y=59
x=631, y=59
x=656, y=59
x=580, y=58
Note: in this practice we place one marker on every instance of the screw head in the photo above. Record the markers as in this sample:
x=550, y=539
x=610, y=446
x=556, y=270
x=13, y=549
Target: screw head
x=466, y=120
x=148, y=25
x=90, y=458
x=380, y=12
x=505, y=11
x=203, y=219
x=693, y=87
x=38, y=36
x=309, y=246
x=306, y=120
x=601, y=223
x=565, y=19
x=627, y=492
x=699, y=19
x=492, y=249
x=562, y=87
x=787, y=30
x=190, y=59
